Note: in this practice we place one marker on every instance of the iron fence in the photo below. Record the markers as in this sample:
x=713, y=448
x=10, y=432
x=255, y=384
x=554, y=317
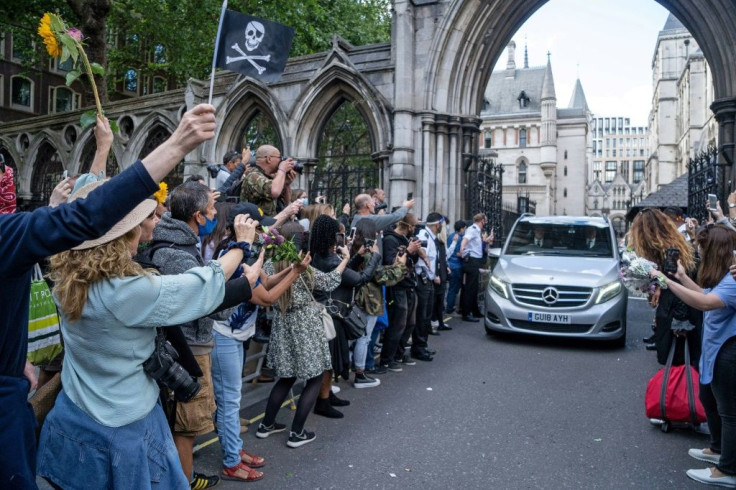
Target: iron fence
x=705, y=176
x=484, y=190
x=341, y=183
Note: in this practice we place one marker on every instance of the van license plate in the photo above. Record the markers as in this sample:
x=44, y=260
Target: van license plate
x=549, y=318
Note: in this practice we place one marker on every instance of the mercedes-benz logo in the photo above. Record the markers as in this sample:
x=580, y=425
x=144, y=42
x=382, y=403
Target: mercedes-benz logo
x=550, y=295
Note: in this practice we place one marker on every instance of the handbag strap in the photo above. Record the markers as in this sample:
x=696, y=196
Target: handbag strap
x=36, y=274
x=665, y=378
x=690, y=387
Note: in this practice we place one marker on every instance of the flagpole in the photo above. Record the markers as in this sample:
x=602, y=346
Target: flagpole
x=217, y=45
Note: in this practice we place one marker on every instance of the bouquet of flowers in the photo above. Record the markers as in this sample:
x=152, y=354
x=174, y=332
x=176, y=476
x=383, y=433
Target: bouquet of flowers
x=635, y=274
x=280, y=249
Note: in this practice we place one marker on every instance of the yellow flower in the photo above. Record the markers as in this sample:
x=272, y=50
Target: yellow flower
x=49, y=39
x=161, y=193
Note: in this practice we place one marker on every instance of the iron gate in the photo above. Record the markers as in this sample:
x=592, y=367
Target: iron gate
x=340, y=184
x=484, y=187
x=705, y=176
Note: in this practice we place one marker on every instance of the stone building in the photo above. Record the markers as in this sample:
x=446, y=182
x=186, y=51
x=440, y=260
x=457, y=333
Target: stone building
x=404, y=113
x=544, y=149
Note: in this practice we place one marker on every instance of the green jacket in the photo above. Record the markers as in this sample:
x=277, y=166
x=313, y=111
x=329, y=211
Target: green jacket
x=370, y=297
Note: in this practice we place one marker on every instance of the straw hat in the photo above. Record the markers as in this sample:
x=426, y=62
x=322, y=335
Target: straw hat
x=129, y=221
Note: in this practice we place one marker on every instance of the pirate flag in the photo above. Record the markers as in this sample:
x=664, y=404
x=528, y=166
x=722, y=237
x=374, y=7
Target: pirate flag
x=254, y=47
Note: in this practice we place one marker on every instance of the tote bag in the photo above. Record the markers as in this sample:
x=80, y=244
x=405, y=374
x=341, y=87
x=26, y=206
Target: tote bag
x=44, y=337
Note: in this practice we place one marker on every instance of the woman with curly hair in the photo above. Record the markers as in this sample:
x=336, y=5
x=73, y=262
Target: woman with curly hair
x=298, y=346
x=323, y=246
x=106, y=423
x=651, y=234
x=715, y=294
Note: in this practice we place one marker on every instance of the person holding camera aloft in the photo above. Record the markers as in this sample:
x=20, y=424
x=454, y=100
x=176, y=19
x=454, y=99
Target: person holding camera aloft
x=365, y=208
x=715, y=294
x=106, y=423
x=267, y=184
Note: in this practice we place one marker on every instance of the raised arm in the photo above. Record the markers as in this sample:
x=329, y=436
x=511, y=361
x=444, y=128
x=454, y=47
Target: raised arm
x=104, y=138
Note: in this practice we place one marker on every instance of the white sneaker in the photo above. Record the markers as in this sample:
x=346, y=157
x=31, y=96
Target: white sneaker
x=434, y=323
x=701, y=455
x=705, y=476
x=335, y=389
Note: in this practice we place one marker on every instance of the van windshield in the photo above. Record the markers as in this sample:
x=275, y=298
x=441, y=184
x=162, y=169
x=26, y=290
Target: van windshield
x=567, y=239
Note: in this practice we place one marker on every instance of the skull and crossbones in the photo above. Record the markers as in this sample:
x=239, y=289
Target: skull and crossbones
x=254, y=33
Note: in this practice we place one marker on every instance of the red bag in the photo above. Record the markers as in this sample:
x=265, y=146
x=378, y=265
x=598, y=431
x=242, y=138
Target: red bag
x=672, y=393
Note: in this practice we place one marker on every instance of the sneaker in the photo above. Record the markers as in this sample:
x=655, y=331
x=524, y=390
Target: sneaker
x=335, y=389
x=296, y=440
x=264, y=431
x=705, y=476
x=378, y=369
x=408, y=361
x=200, y=481
x=434, y=323
x=393, y=366
x=363, y=381
x=701, y=455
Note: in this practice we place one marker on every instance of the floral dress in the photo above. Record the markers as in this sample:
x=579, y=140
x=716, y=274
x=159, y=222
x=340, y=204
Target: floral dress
x=298, y=347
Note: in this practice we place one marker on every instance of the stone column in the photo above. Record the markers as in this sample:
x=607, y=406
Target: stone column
x=440, y=163
x=725, y=112
x=450, y=170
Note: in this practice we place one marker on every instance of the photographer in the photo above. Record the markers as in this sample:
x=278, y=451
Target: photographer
x=267, y=184
x=230, y=161
x=365, y=208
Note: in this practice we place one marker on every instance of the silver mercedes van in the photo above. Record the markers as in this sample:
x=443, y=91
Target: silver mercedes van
x=558, y=276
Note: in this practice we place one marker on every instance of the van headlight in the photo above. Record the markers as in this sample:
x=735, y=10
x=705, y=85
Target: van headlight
x=609, y=291
x=499, y=286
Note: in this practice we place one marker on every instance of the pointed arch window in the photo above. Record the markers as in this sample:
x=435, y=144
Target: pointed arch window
x=345, y=167
x=564, y=192
x=157, y=135
x=260, y=130
x=47, y=170
x=522, y=172
x=488, y=140
x=523, y=100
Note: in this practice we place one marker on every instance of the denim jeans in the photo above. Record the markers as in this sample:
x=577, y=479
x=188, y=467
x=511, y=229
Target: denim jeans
x=370, y=358
x=361, y=345
x=227, y=369
x=724, y=391
x=455, y=282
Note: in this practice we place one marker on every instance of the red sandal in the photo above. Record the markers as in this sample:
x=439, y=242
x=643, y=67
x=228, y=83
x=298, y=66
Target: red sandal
x=255, y=461
x=232, y=473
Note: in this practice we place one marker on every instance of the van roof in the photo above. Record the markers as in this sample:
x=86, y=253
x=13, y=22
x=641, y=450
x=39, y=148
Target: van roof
x=566, y=220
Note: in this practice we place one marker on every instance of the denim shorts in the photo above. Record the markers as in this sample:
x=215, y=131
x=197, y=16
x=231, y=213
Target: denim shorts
x=77, y=452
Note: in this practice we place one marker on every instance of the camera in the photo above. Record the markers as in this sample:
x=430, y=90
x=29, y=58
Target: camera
x=369, y=243
x=162, y=367
x=298, y=166
x=672, y=255
x=213, y=170
x=423, y=243
x=380, y=207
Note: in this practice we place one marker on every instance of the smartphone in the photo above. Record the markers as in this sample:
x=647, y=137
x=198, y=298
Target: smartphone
x=351, y=236
x=340, y=239
x=64, y=174
x=712, y=202
x=401, y=251
x=672, y=255
x=410, y=196
x=305, y=243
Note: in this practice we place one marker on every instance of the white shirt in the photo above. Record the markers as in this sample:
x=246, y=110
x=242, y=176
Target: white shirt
x=426, y=234
x=474, y=245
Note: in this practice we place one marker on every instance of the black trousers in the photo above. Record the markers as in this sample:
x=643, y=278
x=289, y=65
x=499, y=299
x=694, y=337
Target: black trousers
x=399, y=301
x=418, y=324
x=471, y=268
x=438, y=310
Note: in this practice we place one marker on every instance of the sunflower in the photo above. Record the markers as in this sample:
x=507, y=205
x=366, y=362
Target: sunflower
x=161, y=194
x=49, y=39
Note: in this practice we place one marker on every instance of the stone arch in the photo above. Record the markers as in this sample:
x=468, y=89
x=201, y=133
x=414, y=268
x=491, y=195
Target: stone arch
x=141, y=135
x=324, y=94
x=86, y=143
x=246, y=101
x=47, y=167
x=44, y=136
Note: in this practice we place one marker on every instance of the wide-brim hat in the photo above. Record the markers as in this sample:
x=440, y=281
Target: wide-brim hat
x=254, y=211
x=129, y=221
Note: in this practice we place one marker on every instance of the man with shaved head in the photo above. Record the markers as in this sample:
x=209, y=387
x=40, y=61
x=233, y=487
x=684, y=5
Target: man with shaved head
x=268, y=183
x=364, y=208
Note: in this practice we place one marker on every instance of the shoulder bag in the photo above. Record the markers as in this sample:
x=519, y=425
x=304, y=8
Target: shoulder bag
x=327, y=322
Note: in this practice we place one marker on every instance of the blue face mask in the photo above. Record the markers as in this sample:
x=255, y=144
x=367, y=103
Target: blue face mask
x=208, y=226
x=305, y=201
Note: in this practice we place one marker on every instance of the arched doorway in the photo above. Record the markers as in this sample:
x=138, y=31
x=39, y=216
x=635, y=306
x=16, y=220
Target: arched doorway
x=345, y=167
x=47, y=171
x=157, y=135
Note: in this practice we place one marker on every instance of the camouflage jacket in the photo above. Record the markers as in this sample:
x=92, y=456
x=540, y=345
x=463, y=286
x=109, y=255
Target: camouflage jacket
x=256, y=188
x=370, y=297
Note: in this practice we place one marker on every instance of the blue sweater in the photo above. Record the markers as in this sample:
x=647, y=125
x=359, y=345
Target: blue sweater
x=26, y=238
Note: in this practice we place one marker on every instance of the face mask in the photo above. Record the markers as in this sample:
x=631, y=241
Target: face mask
x=305, y=201
x=208, y=226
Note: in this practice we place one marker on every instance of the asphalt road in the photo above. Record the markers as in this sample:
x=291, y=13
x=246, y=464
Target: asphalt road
x=488, y=413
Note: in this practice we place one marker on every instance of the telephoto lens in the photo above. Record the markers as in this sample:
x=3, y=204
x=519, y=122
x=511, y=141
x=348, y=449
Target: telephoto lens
x=298, y=167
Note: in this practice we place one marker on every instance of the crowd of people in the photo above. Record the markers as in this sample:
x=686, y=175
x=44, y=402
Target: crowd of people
x=696, y=308
x=159, y=294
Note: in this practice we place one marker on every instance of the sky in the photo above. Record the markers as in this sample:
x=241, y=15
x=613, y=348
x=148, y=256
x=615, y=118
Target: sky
x=609, y=44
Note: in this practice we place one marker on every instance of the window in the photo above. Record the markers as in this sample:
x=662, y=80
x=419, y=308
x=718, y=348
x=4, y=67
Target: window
x=522, y=172
x=260, y=130
x=487, y=139
x=610, y=171
x=565, y=156
x=565, y=170
x=22, y=47
x=597, y=172
x=159, y=54
x=614, y=153
x=564, y=192
x=522, y=138
x=130, y=84
x=523, y=100
x=21, y=92
x=638, y=171
x=62, y=99
x=63, y=67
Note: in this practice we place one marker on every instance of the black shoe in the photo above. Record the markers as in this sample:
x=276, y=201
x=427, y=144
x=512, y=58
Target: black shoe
x=444, y=327
x=296, y=440
x=450, y=311
x=422, y=356
x=651, y=347
x=203, y=481
x=429, y=351
x=408, y=361
x=648, y=340
x=378, y=369
x=264, y=431
x=364, y=381
x=393, y=366
x=470, y=319
x=324, y=408
x=337, y=402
